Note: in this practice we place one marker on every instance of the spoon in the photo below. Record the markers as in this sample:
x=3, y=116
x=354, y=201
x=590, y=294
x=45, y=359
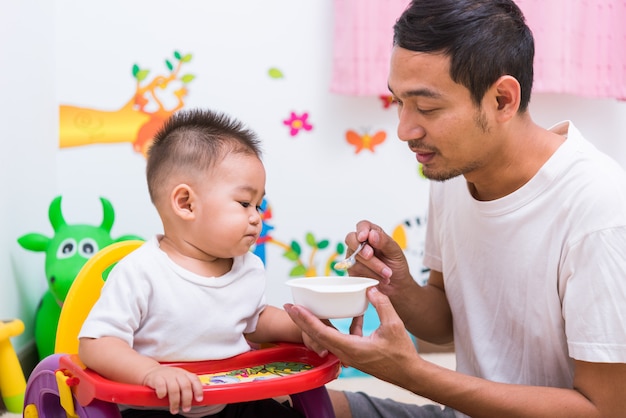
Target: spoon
x=350, y=261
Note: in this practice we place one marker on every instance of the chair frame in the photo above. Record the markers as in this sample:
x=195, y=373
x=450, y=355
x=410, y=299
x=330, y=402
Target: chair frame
x=61, y=384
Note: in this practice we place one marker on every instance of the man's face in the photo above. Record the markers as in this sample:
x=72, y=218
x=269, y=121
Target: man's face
x=438, y=119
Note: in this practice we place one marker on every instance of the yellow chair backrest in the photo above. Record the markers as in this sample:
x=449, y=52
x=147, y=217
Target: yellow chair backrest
x=85, y=291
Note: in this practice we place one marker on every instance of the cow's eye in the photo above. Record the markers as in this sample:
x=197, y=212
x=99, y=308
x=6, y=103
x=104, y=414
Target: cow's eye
x=67, y=248
x=88, y=247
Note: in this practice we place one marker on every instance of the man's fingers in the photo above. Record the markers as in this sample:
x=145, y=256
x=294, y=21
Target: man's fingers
x=310, y=324
x=356, y=327
x=383, y=306
x=303, y=318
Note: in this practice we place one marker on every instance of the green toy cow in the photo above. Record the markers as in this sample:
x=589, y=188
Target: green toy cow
x=66, y=253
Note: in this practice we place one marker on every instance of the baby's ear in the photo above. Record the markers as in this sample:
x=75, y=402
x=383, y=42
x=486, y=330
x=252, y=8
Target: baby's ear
x=182, y=199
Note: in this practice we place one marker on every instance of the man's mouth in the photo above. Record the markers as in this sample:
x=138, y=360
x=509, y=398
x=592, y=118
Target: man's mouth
x=424, y=157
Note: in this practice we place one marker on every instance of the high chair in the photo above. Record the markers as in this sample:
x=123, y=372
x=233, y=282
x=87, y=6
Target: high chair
x=61, y=385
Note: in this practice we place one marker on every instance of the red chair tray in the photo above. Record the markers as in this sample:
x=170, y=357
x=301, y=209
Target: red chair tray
x=92, y=386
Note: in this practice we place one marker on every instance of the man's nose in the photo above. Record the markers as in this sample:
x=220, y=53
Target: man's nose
x=410, y=126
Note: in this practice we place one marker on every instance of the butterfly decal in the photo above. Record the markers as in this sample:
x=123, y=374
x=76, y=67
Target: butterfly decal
x=387, y=100
x=365, y=141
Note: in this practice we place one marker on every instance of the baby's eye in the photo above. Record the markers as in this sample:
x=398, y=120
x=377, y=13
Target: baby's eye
x=259, y=209
x=245, y=204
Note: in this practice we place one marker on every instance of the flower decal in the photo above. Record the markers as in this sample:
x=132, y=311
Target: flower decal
x=387, y=100
x=296, y=123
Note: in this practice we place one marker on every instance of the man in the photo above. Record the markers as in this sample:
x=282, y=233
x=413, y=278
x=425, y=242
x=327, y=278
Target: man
x=526, y=238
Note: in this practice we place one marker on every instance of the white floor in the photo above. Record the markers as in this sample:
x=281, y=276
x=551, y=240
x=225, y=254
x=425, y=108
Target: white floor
x=371, y=385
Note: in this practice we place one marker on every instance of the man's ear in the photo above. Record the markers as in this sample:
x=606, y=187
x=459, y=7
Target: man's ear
x=183, y=201
x=507, y=92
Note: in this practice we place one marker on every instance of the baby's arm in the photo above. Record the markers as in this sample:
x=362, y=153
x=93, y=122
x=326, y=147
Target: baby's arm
x=116, y=360
x=275, y=325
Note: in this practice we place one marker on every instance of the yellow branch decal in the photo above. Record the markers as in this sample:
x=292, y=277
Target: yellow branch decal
x=137, y=121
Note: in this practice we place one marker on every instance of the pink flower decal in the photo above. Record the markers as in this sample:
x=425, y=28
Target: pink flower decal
x=296, y=123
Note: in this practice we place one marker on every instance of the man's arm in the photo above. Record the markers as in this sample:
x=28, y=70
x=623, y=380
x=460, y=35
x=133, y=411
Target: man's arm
x=598, y=392
x=424, y=309
x=388, y=354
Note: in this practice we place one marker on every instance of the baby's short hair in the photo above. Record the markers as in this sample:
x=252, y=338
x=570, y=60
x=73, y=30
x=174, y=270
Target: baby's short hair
x=194, y=140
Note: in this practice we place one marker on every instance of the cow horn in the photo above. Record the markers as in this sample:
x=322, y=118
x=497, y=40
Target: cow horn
x=55, y=214
x=108, y=215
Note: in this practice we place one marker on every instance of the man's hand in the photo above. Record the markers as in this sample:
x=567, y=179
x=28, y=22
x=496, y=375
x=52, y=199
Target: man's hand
x=381, y=259
x=384, y=354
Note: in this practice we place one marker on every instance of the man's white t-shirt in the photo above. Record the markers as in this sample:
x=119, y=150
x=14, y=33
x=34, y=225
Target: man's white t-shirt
x=538, y=277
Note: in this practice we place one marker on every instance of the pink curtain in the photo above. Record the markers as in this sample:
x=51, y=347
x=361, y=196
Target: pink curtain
x=580, y=45
x=363, y=35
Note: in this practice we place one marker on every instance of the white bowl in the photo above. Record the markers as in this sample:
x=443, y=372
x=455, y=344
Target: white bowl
x=331, y=297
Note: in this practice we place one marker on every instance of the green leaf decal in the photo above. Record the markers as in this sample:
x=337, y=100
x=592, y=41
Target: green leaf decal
x=297, y=271
x=310, y=239
x=187, y=78
x=296, y=247
x=323, y=244
x=186, y=58
x=142, y=74
x=169, y=65
x=291, y=255
x=275, y=73
x=135, y=70
x=177, y=55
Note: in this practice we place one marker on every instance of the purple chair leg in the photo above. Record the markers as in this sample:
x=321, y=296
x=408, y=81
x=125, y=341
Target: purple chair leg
x=42, y=392
x=314, y=403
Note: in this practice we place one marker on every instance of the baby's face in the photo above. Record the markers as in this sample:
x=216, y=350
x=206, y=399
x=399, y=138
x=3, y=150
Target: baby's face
x=228, y=220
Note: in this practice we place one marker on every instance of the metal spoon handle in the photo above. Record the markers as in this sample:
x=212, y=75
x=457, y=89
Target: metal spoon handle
x=350, y=261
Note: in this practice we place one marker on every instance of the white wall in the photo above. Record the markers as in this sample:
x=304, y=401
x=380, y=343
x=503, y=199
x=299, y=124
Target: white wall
x=81, y=53
x=28, y=126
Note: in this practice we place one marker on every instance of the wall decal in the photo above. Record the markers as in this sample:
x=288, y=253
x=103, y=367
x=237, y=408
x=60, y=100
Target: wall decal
x=410, y=235
x=294, y=250
x=365, y=141
x=307, y=266
x=266, y=228
x=275, y=73
x=297, y=123
x=387, y=100
x=139, y=118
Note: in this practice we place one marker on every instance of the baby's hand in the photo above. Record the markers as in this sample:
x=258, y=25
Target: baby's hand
x=179, y=385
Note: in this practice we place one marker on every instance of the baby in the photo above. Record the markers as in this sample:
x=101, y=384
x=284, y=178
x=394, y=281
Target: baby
x=195, y=292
